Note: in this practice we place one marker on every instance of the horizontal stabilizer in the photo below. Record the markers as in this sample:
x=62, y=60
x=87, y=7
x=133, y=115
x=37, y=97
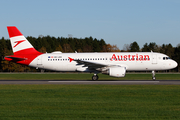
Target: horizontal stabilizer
x=15, y=58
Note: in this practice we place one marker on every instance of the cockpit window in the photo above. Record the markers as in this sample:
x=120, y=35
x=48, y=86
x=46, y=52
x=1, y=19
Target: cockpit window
x=166, y=58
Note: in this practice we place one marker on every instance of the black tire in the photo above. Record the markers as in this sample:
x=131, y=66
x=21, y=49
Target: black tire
x=95, y=77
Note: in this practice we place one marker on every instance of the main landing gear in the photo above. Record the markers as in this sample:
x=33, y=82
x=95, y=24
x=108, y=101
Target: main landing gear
x=153, y=75
x=95, y=77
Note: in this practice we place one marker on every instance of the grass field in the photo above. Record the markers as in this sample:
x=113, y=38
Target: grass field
x=83, y=76
x=80, y=102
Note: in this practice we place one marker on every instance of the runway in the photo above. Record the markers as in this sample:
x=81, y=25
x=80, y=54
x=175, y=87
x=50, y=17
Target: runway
x=101, y=82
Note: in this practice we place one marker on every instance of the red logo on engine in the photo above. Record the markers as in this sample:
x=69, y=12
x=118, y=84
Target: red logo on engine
x=18, y=42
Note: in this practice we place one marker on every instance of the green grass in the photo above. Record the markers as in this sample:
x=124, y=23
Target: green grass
x=83, y=76
x=80, y=102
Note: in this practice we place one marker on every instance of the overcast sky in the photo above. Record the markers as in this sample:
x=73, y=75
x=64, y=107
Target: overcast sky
x=118, y=22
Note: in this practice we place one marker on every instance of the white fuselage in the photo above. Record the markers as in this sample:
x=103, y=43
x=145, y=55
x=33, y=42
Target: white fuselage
x=132, y=61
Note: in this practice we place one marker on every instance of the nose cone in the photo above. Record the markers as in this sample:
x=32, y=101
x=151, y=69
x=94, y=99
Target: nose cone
x=170, y=64
x=174, y=64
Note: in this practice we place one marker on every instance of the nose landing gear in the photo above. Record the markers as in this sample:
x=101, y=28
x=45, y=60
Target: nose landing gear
x=153, y=75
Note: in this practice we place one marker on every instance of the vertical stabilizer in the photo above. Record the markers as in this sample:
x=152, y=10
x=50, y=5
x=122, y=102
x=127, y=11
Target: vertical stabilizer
x=20, y=45
x=24, y=52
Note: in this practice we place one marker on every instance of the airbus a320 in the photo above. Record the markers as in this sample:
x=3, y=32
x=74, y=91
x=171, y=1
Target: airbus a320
x=114, y=64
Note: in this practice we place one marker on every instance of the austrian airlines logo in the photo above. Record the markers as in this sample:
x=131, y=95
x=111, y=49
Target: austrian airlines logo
x=18, y=42
x=70, y=59
x=135, y=57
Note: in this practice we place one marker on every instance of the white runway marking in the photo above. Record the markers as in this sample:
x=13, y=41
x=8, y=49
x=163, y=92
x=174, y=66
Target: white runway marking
x=110, y=81
x=104, y=82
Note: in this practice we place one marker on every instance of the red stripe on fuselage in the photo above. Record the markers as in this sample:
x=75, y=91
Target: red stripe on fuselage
x=29, y=54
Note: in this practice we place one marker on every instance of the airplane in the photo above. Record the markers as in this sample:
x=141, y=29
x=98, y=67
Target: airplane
x=114, y=64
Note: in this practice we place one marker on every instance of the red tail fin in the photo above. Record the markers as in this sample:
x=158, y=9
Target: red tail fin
x=13, y=31
x=21, y=47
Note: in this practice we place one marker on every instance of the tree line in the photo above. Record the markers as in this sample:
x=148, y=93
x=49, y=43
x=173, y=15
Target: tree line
x=50, y=44
x=89, y=44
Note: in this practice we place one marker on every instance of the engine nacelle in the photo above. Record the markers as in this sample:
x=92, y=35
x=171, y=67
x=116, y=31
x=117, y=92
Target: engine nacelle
x=116, y=71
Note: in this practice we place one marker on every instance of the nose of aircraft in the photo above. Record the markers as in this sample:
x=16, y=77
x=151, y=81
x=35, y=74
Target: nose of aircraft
x=174, y=64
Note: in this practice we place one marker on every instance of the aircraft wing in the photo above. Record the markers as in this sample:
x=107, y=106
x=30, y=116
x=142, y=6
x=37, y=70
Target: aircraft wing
x=90, y=65
x=93, y=65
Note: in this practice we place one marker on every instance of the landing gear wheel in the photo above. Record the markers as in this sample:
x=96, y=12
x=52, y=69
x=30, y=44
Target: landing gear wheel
x=154, y=78
x=153, y=75
x=95, y=77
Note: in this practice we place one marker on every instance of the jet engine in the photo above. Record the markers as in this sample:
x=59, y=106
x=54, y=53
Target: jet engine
x=115, y=71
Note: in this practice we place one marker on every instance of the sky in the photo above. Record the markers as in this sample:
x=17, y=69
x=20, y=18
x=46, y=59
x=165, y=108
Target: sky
x=118, y=22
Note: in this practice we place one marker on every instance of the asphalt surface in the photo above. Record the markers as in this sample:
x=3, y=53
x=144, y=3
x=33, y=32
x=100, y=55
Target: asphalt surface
x=101, y=82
